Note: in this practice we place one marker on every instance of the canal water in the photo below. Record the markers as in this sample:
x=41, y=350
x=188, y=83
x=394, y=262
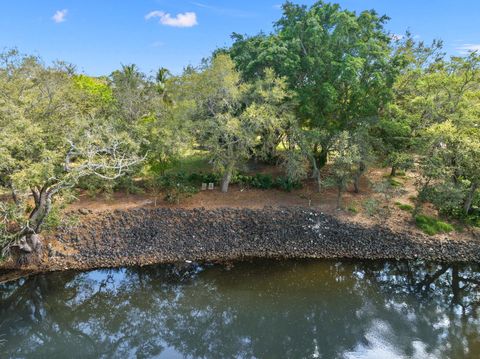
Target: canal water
x=259, y=309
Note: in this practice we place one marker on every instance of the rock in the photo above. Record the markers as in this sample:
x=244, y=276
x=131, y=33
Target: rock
x=36, y=242
x=153, y=235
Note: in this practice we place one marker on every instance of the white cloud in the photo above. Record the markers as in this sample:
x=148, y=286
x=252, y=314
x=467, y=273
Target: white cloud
x=60, y=16
x=186, y=19
x=467, y=48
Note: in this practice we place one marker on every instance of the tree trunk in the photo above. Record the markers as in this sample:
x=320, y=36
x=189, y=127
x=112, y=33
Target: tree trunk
x=358, y=176
x=43, y=206
x=322, y=158
x=226, y=180
x=356, y=184
x=470, y=195
x=27, y=249
x=319, y=182
x=339, y=198
x=316, y=175
x=15, y=198
x=393, y=172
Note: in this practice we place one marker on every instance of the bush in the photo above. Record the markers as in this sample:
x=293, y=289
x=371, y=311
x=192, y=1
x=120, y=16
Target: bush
x=262, y=181
x=471, y=219
x=432, y=226
x=199, y=178
x=128, y=185
x=259, y=180
x=286, y=184
x=177, y=187
x=95, y=186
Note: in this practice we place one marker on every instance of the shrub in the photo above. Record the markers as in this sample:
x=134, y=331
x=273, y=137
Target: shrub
x=128, y=185
x=286, y=184
x=199, y=178
x=177, y=187
x=243, y=180
x=262, y=181
x=95, y=186
x=432, y=226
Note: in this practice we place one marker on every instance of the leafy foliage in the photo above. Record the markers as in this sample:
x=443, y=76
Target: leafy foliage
x=177, y=187
x=432, y=226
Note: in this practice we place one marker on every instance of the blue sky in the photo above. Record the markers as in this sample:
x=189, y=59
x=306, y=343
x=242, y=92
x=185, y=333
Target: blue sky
x=99, y=35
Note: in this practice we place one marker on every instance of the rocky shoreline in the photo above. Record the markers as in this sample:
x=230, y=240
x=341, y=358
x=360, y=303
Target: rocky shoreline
x=146, y=236
x=162, y=235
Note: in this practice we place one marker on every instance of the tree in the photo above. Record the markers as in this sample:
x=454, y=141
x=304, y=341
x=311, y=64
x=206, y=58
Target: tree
x=49, y=140
x=365, y=143
x=229, y=118
x=455, y=150
x=401, y=121
x=337, y=63
x=133, y=94
x=345, y=160
x=447, y=108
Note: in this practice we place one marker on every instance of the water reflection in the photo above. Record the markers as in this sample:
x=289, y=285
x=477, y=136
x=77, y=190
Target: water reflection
x=263, y=309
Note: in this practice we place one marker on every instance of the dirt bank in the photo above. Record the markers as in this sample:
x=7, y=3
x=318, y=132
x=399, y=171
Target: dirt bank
x=159, y=235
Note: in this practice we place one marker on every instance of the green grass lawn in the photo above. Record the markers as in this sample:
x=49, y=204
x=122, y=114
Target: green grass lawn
x=194, y=162
x=432, y=225
x=404, y=207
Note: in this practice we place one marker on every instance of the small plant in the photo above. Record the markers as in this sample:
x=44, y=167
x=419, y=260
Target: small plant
x=352, y=209
x=262, y=181
x=243, y=180
x=371, y=206
x=177, y=187
x=404, y=207
x=432, y=226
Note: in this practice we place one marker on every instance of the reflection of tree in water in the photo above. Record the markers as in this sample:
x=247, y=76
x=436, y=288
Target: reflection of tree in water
x=453, y=290
x=264, y=309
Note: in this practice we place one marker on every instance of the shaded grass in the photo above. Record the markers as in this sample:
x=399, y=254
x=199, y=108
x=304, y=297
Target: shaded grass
x=404, y=207
x=395, y=183
x=196, y=162
x=352, y=209
x=432, y=226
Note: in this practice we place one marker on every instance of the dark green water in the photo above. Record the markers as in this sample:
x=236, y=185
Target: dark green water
x=266, y=309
